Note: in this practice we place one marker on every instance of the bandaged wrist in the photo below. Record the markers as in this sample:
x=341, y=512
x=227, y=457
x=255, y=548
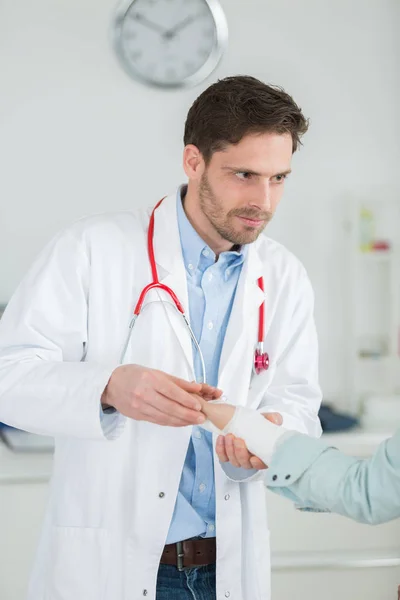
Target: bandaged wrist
x=259, y=434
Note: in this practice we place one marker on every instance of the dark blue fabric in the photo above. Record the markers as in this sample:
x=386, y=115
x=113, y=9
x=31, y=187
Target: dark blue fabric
x=189, y=584
x=332, y=420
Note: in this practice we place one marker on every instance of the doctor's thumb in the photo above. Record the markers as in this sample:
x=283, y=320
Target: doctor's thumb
x=275, y=418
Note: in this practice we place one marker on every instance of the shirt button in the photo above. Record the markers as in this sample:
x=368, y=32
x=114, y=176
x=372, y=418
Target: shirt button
x=227, y=594
x=190, y=267
x=161, y=495
x=145, y=592
x=197, y=434
x=202, y=487
x=206, y=252
x=210, y=325
x=211, y=527
x=227, y=497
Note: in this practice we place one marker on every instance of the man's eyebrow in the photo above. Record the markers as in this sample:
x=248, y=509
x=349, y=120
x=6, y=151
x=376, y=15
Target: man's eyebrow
x=251, y=172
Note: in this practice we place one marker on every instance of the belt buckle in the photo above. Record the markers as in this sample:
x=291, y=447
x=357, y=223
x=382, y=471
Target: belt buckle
x=179, y=556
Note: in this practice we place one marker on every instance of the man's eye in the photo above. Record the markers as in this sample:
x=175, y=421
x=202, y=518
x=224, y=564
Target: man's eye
x=243, y=175
x=280, y=178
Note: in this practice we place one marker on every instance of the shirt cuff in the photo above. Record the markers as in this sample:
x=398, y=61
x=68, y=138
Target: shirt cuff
x=112, y=422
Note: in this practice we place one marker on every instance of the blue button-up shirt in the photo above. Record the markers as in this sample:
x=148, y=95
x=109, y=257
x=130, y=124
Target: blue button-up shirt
x=211, y=290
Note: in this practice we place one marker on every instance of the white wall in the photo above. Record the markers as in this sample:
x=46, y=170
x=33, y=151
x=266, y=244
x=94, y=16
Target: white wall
x=78, y=136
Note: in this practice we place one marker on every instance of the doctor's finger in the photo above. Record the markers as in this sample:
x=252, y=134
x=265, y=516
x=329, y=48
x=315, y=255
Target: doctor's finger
x=188, y=386
x=220, y=449
x=208, y=392
x=257, y=463
x=242, y=454
x=175, y=393
x=177, y=411
x=152, y=415
x=230, y=450
x=274, y=417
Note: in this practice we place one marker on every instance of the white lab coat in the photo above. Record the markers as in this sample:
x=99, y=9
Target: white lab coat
x=114, y=484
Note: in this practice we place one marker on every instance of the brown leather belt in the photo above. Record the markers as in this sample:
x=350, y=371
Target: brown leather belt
x=190, y=553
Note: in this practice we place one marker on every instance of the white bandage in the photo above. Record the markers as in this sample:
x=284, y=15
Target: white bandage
x=259, y=434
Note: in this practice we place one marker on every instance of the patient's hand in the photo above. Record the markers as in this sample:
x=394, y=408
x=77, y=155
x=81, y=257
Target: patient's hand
x=229, y=448
x=234, y=450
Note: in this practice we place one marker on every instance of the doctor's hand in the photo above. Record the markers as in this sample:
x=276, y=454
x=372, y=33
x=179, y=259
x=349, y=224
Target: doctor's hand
x=234, y=450
x=150, y=395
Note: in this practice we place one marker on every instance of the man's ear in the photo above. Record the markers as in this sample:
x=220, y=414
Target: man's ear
x=193, y=162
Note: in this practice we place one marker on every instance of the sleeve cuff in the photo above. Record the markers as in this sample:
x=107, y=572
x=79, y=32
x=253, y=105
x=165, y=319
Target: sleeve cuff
x=241, y=475
x=112, y=424
x=293, y=455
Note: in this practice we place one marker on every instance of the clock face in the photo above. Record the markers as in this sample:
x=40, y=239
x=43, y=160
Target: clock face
x=170, y=43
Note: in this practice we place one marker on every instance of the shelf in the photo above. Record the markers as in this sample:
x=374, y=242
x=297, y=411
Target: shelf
x=375, y=359
x=369, y=559
x=377, y=256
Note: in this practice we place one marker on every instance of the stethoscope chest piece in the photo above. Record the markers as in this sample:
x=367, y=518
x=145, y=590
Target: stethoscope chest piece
x=261, y=360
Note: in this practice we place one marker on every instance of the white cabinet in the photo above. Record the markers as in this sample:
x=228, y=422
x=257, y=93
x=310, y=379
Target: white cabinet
x=314, y=556
x=358, y=584
x=23, y=495
x=21, y=513
x=328, y=557
x=323, y=556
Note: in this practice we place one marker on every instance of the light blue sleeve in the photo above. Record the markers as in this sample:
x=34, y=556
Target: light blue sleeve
x=318, y=477
x=111, y=421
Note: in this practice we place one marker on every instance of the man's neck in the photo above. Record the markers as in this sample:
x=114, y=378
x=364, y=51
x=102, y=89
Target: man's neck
x=202, y=225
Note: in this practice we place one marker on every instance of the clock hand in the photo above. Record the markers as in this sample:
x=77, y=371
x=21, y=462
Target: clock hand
x=170, y=33
x=144, y=21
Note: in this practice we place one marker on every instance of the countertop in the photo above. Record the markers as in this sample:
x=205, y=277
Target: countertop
x=36, y=467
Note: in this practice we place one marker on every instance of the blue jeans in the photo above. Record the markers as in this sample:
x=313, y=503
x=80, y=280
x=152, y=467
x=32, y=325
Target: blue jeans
x=190, y=584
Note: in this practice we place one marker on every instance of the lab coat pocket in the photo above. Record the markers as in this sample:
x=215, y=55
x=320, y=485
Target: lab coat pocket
x=78, y=564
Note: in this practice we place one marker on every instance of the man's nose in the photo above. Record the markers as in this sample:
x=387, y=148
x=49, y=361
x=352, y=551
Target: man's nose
x=262, y=200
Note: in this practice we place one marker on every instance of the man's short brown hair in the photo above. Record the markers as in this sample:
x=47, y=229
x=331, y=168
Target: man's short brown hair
x=238, y=106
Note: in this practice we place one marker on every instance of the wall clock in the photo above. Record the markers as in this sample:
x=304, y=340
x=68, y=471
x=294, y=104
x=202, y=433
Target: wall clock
x=170, y=43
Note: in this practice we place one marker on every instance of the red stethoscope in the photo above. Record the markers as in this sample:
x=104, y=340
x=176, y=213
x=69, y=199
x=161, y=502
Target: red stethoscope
x=261, y=358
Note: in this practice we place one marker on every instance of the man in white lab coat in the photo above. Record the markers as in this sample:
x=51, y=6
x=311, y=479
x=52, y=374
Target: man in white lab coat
x=140, y=505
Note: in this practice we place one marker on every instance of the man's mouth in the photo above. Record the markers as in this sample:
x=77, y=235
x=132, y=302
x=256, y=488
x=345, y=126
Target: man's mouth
x=251, y=222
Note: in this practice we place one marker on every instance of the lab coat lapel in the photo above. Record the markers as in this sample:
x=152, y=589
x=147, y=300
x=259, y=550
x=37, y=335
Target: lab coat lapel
x=241, y=334
x=171, y=268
